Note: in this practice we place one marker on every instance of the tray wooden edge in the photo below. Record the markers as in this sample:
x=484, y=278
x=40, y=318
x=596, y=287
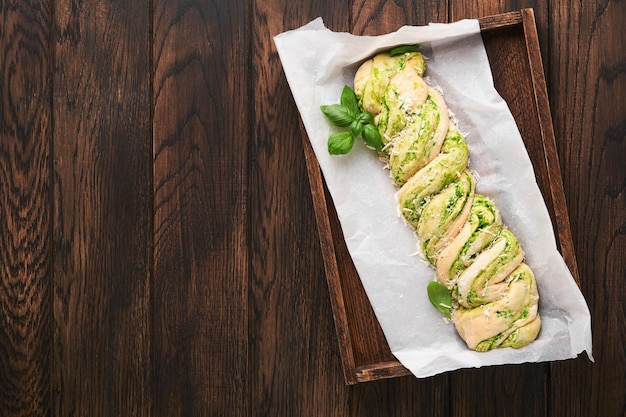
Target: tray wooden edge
x=564, y=241
x=330, y=261
x=391, y=369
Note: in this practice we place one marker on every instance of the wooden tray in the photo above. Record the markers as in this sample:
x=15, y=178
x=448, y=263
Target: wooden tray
x=513, y=50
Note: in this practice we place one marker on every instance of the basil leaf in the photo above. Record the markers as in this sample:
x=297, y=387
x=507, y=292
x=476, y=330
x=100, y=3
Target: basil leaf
x=349, y=100
x=366, y=118
x=338, y=114
x=356, y=127
x=371, y=136
x=440, y=297
x=340, y=143
x=403, y=49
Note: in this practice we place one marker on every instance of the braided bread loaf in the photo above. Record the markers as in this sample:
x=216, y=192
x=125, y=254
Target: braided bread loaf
x=460, y=233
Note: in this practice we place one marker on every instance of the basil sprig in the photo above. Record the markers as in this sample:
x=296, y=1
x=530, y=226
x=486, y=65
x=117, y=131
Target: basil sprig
x=348, y=114
x=440, y=297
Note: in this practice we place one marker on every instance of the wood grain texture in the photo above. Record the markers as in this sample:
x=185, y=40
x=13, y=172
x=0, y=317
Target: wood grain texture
x=402, y=396
x=200, y=210
x=291, y=324
x=158, y=246
x=103, y=200
x=25, y=209
x=509, y=390
x=379, y=17
x=588, y=61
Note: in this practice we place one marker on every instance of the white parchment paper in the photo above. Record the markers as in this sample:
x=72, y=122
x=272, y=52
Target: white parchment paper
x=318, y=63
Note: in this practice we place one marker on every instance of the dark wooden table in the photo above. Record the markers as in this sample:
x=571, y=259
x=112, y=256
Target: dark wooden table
x=158, y=248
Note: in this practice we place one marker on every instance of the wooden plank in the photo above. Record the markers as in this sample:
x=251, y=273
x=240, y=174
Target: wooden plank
x=509, y=390
x=103, y=201
x=379, y=17
x=401, y=397
x=200, y=211
x=295, y=367
x=25, y=209
x=588, y=92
